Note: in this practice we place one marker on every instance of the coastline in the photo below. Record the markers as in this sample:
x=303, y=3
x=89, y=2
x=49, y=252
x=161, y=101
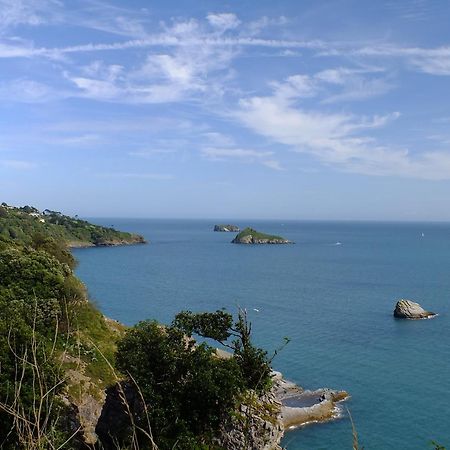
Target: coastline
x=284, y=416
x=86, y=244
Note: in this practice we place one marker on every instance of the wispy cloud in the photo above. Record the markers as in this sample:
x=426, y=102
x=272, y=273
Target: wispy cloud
x=223, y=21
x=27, y=12
x=137, y=175
x=337, y=139
x=29, y=91
x=248, y=156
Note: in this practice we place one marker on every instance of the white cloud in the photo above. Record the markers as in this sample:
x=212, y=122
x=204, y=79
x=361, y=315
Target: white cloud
x=433, y=61
x=256, y=26
x=295, y=86
x=26, y=12
x=223, y=21
x=180, y=73
x=337, y=139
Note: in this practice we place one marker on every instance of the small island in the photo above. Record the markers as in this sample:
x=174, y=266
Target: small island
x=227, y=228
x=251, y=236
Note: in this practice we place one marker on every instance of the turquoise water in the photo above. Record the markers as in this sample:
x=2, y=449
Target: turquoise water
x=334, y=302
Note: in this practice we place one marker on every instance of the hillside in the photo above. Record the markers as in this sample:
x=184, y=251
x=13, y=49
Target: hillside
x=55, y=346
x=22, y=223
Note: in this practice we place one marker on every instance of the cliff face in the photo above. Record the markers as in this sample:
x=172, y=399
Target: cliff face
x=257, y=425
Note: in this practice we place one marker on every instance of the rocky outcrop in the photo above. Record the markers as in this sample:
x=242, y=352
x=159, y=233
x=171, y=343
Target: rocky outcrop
x=407, y=309
x=299, y=407
x=251, y=236
x=256, y=425
x=227, y=228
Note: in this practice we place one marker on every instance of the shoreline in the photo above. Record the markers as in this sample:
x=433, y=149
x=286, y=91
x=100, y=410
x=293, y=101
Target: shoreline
x=82, y=244
x=300, y=407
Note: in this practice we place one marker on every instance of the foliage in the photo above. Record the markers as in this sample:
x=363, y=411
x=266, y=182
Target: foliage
x=30, y=382
x=257, y=235
x=217, y=325
x=253, y=361
x=28, y=226
x=181, y=380
x=46, y=327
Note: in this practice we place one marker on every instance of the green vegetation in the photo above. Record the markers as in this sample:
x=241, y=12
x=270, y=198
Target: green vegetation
x=57, y=349
x=256, y=235
x=50, y=335
x=27, y=223
x=179, y=378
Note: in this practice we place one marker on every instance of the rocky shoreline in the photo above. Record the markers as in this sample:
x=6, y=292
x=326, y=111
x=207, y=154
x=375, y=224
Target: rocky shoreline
x=115, y=243
x=300, y=407
x=260, y=423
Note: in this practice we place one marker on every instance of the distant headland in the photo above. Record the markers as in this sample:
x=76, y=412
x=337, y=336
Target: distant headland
x=23, y=222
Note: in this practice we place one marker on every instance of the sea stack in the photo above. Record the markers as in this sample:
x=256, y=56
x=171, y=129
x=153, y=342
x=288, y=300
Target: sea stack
x=251, y=236
x=406, y=309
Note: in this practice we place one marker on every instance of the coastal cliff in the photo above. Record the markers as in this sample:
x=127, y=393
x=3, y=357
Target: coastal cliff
x=251, y=236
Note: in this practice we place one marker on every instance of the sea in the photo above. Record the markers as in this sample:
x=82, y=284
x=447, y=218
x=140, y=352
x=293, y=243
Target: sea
x=332, y=294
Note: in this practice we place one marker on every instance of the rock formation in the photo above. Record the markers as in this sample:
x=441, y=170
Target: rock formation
x=299, y=407
x=227, y=228
x=406, y=309
x=251, y=236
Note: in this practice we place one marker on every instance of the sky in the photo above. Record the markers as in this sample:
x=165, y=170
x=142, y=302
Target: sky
x=311, y=109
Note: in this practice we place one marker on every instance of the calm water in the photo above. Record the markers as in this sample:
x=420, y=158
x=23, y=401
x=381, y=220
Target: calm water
x=334, y=302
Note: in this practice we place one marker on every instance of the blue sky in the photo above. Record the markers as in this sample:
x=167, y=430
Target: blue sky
x=252, y=109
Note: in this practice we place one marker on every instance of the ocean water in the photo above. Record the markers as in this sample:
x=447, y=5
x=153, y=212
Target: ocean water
x=334, y=302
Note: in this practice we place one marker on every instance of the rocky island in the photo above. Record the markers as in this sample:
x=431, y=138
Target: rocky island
x=251, y=236
x=227, y=228
x=407, y=309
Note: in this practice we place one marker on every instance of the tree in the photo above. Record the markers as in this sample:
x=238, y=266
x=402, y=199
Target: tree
x=253, y=361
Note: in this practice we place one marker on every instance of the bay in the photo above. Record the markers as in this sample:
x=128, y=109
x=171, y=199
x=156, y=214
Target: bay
x=332, y=294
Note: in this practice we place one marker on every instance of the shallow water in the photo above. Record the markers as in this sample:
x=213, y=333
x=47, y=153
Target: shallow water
x=334, y=302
